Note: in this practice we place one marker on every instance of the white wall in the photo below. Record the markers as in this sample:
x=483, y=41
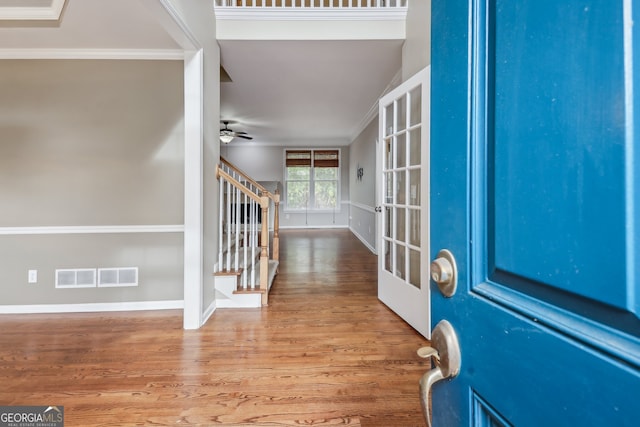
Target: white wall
x=416, y=51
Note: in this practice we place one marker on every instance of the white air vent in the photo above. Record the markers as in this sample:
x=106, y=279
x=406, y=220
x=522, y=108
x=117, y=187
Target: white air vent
x=76, y=278
x=109, y=277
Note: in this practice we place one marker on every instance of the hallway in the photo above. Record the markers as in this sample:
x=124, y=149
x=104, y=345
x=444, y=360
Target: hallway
x=324, y=352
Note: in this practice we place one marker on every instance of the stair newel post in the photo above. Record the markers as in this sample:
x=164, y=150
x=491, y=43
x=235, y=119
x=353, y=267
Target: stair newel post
x=264, y=247
x=276, y=225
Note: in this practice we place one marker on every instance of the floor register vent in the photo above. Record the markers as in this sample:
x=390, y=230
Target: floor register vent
x=100, y=277
x=76, y=278
x=118, y=277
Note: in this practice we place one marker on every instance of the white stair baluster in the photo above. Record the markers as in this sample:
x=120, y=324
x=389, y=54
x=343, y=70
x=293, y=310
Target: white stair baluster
x=228, y=206
x=221, y=222
x=244, y=241
x=254, y=243
x=237, y=217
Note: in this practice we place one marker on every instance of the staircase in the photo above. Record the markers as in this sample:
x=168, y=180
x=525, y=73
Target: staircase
x=248, y=252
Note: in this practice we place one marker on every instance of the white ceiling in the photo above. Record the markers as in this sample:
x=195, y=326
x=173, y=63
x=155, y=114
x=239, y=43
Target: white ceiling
x=282, y=92
x=304, y=92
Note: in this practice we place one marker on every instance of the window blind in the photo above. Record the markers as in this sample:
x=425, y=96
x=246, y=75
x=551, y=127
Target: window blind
x=298, y=158
x=326, y=159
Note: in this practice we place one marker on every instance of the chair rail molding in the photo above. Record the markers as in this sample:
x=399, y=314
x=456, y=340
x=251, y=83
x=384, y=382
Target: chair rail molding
x=92, y=229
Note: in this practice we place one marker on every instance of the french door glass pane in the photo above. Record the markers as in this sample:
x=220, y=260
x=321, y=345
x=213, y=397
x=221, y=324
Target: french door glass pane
x=414, y=147
x=388, y=153
x=402, y=113
x=415, y=106
x=388, y=123
x=387, y=256
x=400, y=224
x=401, y=150
x=401, y=197
x=414, y=268
x=388, y=221
x=414, y=227
x=388, y=187
x=400, y=261
x=414, y=187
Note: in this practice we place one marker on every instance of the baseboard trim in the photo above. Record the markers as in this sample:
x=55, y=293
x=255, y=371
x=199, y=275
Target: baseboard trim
x=92, y=229
x=208, y=312
x=92, y=307
x=364, y=242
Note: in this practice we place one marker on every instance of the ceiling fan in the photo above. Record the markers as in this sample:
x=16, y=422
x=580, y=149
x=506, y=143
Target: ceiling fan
x=227, y=135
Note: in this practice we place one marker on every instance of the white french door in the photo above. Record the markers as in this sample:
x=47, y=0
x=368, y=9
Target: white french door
x=403, y=195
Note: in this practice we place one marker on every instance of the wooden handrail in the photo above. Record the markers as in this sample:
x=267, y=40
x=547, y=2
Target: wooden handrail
x=243, y=173
x=255, y=183
x=262, y=200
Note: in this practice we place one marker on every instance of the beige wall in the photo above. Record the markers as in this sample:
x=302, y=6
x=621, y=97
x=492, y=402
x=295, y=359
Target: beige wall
x=158, y=257
x=264, y=163
x=416, y=51
x=362, y=218
x=91, y=143
x=363, y=153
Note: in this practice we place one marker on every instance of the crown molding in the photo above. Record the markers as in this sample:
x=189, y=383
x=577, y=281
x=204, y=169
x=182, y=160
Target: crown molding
x=142, y=54
x=174, y=24
x=19, y=13
x=373, y=111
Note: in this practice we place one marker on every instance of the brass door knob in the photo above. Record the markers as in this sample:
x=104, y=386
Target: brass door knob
x=445, y=272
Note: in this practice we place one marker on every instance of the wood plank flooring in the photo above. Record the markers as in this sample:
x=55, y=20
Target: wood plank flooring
x=324, y=352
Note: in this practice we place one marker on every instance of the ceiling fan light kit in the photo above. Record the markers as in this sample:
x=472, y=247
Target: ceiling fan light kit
x=227, y=135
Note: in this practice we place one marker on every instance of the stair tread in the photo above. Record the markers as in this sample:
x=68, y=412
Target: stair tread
x=249, y=291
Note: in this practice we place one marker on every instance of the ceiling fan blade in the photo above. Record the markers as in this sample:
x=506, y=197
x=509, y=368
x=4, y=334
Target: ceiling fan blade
x=226, y=131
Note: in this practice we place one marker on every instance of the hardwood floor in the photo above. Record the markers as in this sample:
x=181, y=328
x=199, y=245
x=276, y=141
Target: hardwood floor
x=324, y=352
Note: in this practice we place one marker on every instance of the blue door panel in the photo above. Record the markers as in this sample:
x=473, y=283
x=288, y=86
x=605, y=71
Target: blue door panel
x=535, y=190
x=484, y=415
x=534, y=376
x=559, y=136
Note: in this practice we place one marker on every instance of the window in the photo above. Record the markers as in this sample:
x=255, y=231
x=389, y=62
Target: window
x=312, y=179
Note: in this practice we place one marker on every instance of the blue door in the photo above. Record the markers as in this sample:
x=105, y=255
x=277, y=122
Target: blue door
x=535, y=190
